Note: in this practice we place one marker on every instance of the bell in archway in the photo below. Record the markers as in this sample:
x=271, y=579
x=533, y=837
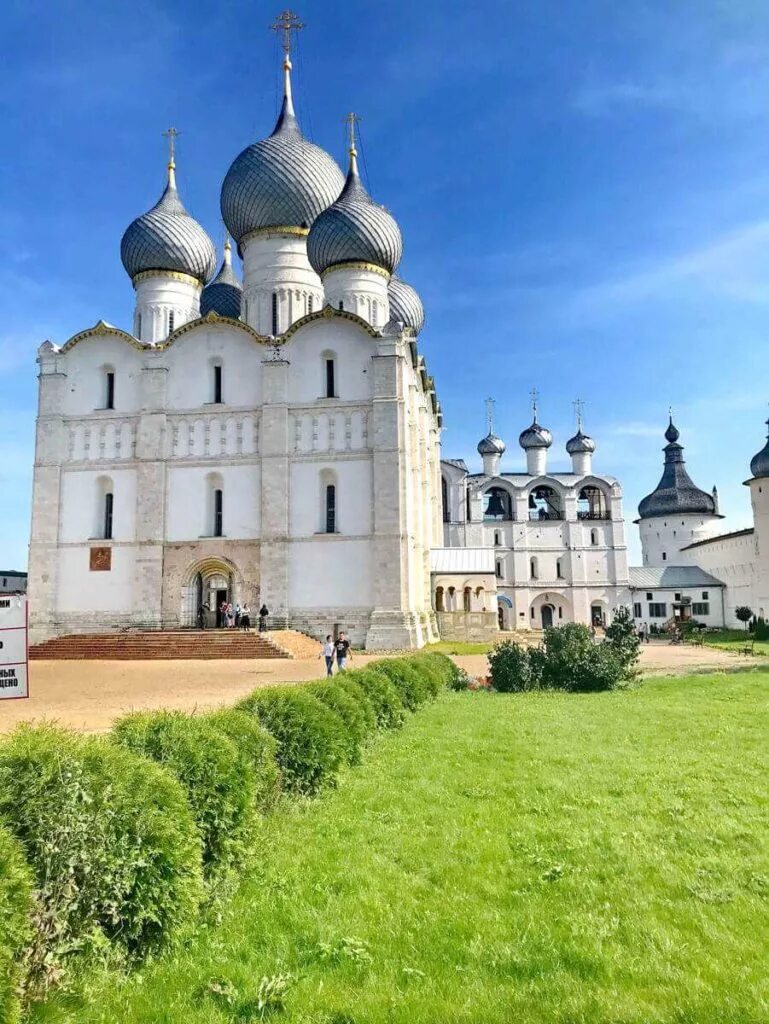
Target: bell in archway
x=496, y=507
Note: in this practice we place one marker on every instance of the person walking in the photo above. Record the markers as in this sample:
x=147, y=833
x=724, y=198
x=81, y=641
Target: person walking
x=327, y=652
x=343, y=652
x=263, y=614
x=245, y=617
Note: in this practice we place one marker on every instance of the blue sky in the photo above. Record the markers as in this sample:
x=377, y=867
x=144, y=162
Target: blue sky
x=582, y=188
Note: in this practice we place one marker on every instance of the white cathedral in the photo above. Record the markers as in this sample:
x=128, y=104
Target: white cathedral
x=278, y=442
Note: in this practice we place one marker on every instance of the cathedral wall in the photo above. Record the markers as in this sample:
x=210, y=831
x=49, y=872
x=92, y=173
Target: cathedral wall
x=87, y=363
x=191, y=359
x=308, y=481
x=189, y=504
x=92, y=600
x=81, y=508
x=307, y=351
x=330, y=573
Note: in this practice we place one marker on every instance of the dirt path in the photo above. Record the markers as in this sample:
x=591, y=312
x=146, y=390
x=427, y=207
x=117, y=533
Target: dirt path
x=89, y=695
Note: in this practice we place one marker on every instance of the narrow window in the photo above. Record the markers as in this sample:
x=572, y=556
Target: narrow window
x=704, y=595
x=341, y=304
x=108, y=505
x=170, y=320
x=637, y=609
x=110, y=396
x=533, y=568
x=218, y=513
x=138, y=325
x=594, y=537
x=217, y=384
x=497, y=538
x=330, y=509
x=445, y=499
x=466, y=599
x=309, y=303
x=664, y=557
x=560, y=612
x=275, y=314
x=330, y=388
x=499, y=570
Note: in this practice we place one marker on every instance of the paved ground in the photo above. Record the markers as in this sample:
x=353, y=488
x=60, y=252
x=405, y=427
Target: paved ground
x=89, y=695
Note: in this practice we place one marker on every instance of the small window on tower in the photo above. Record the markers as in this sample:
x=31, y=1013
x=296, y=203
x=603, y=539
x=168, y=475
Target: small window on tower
x=341, y=304
x=310, y=303
x=218, y=513
x=217, y=384
x=330, y=508
x=664, y=557
x=275, y=314
x=330, y=382
x=108, y=506
x=171, y=319
x=109, y=402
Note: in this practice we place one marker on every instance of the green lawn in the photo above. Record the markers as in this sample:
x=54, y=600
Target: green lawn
x=735, y=640
x=597, y=859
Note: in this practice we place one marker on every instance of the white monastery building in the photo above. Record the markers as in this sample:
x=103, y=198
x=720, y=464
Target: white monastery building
x=277, y=441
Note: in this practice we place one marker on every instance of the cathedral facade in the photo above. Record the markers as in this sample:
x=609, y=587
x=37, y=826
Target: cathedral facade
x=273, y=442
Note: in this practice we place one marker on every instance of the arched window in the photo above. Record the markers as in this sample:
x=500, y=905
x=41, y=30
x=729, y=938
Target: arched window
x=497, y=504
x=109, y=503
x=467, y=599
x=445, y=499
x=330, y=508
x=275, y=314
x=218, y=512
x=452, y=600
x=497, y=538
x=214, y=524
x=594, y=537
x=439, y=599
x=545, y=504
x=171, y=319
x=533, y=569
x=498, y=570
x=341, y=304
x=107, y=388
x=329, y=375
x=591, y=504
x=558, y=569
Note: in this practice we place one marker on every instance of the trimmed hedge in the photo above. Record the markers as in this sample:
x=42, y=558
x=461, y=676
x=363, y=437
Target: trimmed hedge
x=384, y=698
x=340, y=701
x=219, y=783
x=413, y=685
x=347, y=683
x=256, y=747
x=112, y=846
x=310, y=737
x=15, y=906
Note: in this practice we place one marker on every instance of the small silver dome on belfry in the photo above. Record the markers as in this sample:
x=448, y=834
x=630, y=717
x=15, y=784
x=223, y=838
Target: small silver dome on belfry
x=167, y=237
x=535, y=436
x=759, y=464
x=354, y=229
x=580, y=444
x=491, y=445
x=405, y=304
x=282, y=181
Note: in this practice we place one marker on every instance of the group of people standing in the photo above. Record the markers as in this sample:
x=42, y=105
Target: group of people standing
x=336, y=650
x=237, y=616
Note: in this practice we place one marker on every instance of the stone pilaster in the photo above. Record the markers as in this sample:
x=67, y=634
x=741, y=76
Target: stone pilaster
x=274, y=491
x=151, y=495
x=46, y=482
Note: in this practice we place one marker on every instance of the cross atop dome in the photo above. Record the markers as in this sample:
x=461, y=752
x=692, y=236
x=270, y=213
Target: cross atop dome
x=287, y=22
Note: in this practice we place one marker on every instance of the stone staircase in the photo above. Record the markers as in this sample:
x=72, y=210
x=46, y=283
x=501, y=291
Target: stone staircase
x=141, y=645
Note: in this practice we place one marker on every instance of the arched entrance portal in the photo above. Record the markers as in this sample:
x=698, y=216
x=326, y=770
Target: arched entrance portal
x=547, y=616
x=207, y=585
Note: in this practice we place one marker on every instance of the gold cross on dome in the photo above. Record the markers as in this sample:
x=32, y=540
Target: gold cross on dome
x=351, y=120
x=171, y=134
x=286, y=22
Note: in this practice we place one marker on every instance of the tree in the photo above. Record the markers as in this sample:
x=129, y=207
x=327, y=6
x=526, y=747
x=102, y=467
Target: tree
x=744, y=614
x=622, y=636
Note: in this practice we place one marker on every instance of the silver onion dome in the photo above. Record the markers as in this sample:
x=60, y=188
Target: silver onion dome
x=354, y=229
x=580, y=444
x=535, y=436
x=405, y=304
x=282, y=181
x=491, y=445
x=759, y=464
x=168, y=238
x=223, y=295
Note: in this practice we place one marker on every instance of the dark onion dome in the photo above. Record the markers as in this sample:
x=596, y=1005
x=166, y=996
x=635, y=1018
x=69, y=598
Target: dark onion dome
x=676, y=493
x=354, y=229
x=282, y=181
x=405, y=304
x=580, y=444
x=759, y=464
x=167, y=238
x=224, y=293
x=535, y=436
x=491, y=445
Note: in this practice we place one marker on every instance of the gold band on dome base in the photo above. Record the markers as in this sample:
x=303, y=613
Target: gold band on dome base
x=278, y=229
x=169, y=275
x=371, y=267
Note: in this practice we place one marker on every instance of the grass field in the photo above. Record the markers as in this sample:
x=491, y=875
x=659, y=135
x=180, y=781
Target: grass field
x=735, y=640
x=528, y=858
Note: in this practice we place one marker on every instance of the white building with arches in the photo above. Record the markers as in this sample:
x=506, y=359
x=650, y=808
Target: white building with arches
x=555, y=542
x=275, y=442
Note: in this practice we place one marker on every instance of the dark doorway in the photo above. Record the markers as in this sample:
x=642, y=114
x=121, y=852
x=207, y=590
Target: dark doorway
x=547, y=616
x=221, y=597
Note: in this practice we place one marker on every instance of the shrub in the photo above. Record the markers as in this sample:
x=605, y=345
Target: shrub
x=623, y=639
x=574, y=662
x=744, y=614
x=113, y=849
x=345, y=682
x=761, y=631
x=220, y=786
x=444, y=671
x=409, y=680
x=258, y=749
x=512, y=668
x=388, y=707
x=310, y=737
x=342, y=703
x=15, y=905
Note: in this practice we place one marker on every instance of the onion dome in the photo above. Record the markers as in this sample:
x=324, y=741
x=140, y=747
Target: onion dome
x=491, y=445
x=167, y=238
x=224, y=293
x=282, y=181
x=676, y=493
x=354, y=229
x=580, y=444
x=759, y=464
x=535, y=436
x=405, y=304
